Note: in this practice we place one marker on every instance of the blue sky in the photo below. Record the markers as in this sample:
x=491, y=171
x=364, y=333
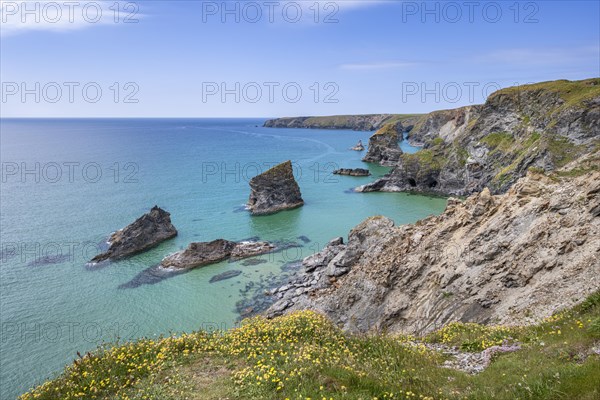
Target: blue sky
x=369, y=57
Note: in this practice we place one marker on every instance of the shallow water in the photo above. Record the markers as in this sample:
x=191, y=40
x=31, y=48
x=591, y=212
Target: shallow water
x=67, y=184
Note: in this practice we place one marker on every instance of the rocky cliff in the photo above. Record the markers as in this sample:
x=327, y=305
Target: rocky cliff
x=491, y=259
x=447, y=124
x=274, y=190
x=384, y=147
x=544, y=125
x=368, y=122
x=147, y=231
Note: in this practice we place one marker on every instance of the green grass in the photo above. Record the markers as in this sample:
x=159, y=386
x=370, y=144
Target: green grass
x=574, y=93
x=304, y=356
x=501, y=141
x=334, y=121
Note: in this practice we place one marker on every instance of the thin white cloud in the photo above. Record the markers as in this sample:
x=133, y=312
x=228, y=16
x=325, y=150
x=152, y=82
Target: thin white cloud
x=354, y=4
x=530, y=56
x=17, y=17
x=378, y=65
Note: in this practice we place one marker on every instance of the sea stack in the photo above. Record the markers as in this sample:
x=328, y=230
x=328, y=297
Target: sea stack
x=204, y=253
x=147, y=231
x=359, y=146
x=352, y=172
x=383, y=146
x=274, y=190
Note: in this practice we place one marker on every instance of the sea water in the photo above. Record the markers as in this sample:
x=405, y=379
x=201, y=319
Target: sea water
x=68, y=183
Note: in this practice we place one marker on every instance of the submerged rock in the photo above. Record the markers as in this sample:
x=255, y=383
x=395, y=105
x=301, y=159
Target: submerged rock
x=304, y=238
x=254, y=261
x=225, y=275
x=352, y=172
x=50, y=259
x=274, y=190
x=146, y=232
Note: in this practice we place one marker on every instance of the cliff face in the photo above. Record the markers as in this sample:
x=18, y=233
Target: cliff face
x=384, y=146
x=447, y=124
x=368, y=122
x=544, y=125
x=274, y=190
x=489, y=259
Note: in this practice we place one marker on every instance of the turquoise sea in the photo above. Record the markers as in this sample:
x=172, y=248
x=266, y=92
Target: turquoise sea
x=68, y=183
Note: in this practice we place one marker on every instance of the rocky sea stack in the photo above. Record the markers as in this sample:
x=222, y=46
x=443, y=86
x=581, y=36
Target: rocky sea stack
x=274, y=190
x=146, y=232
x=384, y=146
x=205, y=253
x=359, y=146
x=352, y=172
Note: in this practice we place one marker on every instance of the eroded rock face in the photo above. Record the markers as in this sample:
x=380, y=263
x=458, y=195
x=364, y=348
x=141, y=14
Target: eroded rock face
x=488, y=259
x=146, y=232
x=204, y=253
x=446, y=124
x=383, y=146
x=352, y=172
x=274, y=190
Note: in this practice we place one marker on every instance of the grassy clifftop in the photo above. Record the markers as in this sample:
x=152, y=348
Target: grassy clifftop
x=367, y=122
x=303, y=356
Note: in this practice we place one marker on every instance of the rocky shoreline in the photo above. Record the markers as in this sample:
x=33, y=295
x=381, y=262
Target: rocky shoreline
x=488, y=259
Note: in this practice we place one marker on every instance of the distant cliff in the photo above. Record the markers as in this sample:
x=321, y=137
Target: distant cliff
x=368, y=122
x=544, y=125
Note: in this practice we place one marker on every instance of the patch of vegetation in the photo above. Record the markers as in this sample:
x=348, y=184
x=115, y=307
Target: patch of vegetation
x=341, y=121
x=574, y=93
x=303, y=355
x=537, y=170
x=501, y=141
x=387, y=129
x=427, y=160
x=561, y=150
x=438, y=141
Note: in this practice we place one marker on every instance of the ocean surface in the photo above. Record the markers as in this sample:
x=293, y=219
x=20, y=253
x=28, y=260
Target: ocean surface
x=68, y=183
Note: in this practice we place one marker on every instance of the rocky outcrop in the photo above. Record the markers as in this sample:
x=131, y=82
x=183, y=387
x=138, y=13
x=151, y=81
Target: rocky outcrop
x=204, y=253
x=352, y=172
x=351, y=122
x=488, y=259
x=359, y=146
x=146, y=232
x=384, y=147
x=545, y=126
x=274, y=190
